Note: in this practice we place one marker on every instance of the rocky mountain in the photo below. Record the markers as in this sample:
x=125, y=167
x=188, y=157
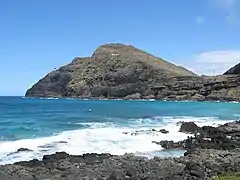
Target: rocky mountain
x=123, y=71
x=234, y=70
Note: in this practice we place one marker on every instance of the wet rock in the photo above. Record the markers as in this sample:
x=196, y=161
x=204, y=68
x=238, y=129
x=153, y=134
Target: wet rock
x=19, y=151
x=164, y=131
x=170, y=144
x=209, y=152
x=189, y=127
x=224, y=137
x=23, y=149
x=230, y=128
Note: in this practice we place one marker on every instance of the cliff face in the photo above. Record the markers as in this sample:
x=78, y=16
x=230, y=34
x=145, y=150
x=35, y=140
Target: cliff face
x=233, y=70
x=121, y=71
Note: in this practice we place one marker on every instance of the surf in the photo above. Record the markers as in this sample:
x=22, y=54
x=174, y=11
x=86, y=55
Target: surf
x=106, y=137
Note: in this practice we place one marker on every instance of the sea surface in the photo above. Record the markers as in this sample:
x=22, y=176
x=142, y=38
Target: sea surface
x=46, y=126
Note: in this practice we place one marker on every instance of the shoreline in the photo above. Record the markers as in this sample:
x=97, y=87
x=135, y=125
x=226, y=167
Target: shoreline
x=212, y=151
x=200, y=164
x=118, y=99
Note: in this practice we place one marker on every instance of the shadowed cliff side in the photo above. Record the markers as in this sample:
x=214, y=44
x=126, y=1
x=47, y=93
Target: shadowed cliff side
x=233, y=70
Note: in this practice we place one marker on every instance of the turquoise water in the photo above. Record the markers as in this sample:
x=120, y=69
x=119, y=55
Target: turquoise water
x=97, y=126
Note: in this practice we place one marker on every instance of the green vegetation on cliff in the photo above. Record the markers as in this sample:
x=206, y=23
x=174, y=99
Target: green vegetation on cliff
x=231, y=176
x=123, y=71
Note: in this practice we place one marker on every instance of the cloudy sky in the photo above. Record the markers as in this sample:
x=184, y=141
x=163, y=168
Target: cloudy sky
x=38, y=36
x=218, y=58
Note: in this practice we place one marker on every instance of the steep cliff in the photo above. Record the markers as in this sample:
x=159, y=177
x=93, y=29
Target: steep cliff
x=123, y=71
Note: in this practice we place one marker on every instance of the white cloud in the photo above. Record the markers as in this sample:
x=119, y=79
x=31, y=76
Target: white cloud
x=231, y=8
x=200, y=20
x=214, y=62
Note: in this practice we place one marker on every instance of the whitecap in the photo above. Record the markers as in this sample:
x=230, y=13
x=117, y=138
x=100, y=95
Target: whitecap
x=105, y=137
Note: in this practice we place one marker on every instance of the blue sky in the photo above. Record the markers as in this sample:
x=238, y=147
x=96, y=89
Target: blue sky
x=38, y=36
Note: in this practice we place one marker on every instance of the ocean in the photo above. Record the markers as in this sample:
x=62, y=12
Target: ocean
x=46, y=126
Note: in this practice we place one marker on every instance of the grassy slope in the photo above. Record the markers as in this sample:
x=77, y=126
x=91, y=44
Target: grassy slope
x=228, y=177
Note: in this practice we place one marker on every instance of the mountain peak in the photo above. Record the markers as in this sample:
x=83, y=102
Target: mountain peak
x=124, y=71
x=114, y=70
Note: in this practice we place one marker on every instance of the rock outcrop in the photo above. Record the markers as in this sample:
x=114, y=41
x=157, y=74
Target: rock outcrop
x=224, y=137
x=213, y=151
x=233, y=70
x=122, y=71
x=199, y=164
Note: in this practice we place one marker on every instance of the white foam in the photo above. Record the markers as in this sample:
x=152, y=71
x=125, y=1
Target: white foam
x=103, y=138
x=94, y=125
x=51, y=98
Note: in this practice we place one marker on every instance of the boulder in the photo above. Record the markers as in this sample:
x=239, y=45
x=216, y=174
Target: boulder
x=19, y=151
x=23, y=149
x=171, y=144
x=164, y=131
x=189, y=127
x=198, y=97
x=133, y=96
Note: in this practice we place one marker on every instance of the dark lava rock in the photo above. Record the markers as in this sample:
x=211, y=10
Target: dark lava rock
x=224, y=137
x=164, y=131
x=214, y=150
x=20, y=150
x=57, y=156
x=233, y=70
x=198, y=165
x=171, y=144
x=23, y=149
x=189, y=127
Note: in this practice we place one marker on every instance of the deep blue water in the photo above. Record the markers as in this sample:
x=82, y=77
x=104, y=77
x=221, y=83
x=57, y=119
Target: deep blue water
x=84, y=126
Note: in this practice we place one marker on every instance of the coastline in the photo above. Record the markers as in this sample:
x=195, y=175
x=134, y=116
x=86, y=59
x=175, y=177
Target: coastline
x=123, y=99
x=212, y=151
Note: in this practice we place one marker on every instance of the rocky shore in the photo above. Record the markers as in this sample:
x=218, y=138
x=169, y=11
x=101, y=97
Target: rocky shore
x=209, y=151
x=117, y=71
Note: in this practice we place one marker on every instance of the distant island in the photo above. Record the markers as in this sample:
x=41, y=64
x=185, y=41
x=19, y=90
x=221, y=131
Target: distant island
x=125, y=72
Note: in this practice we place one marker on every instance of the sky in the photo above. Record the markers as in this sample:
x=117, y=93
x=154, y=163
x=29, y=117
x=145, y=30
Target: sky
x=38, y=36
